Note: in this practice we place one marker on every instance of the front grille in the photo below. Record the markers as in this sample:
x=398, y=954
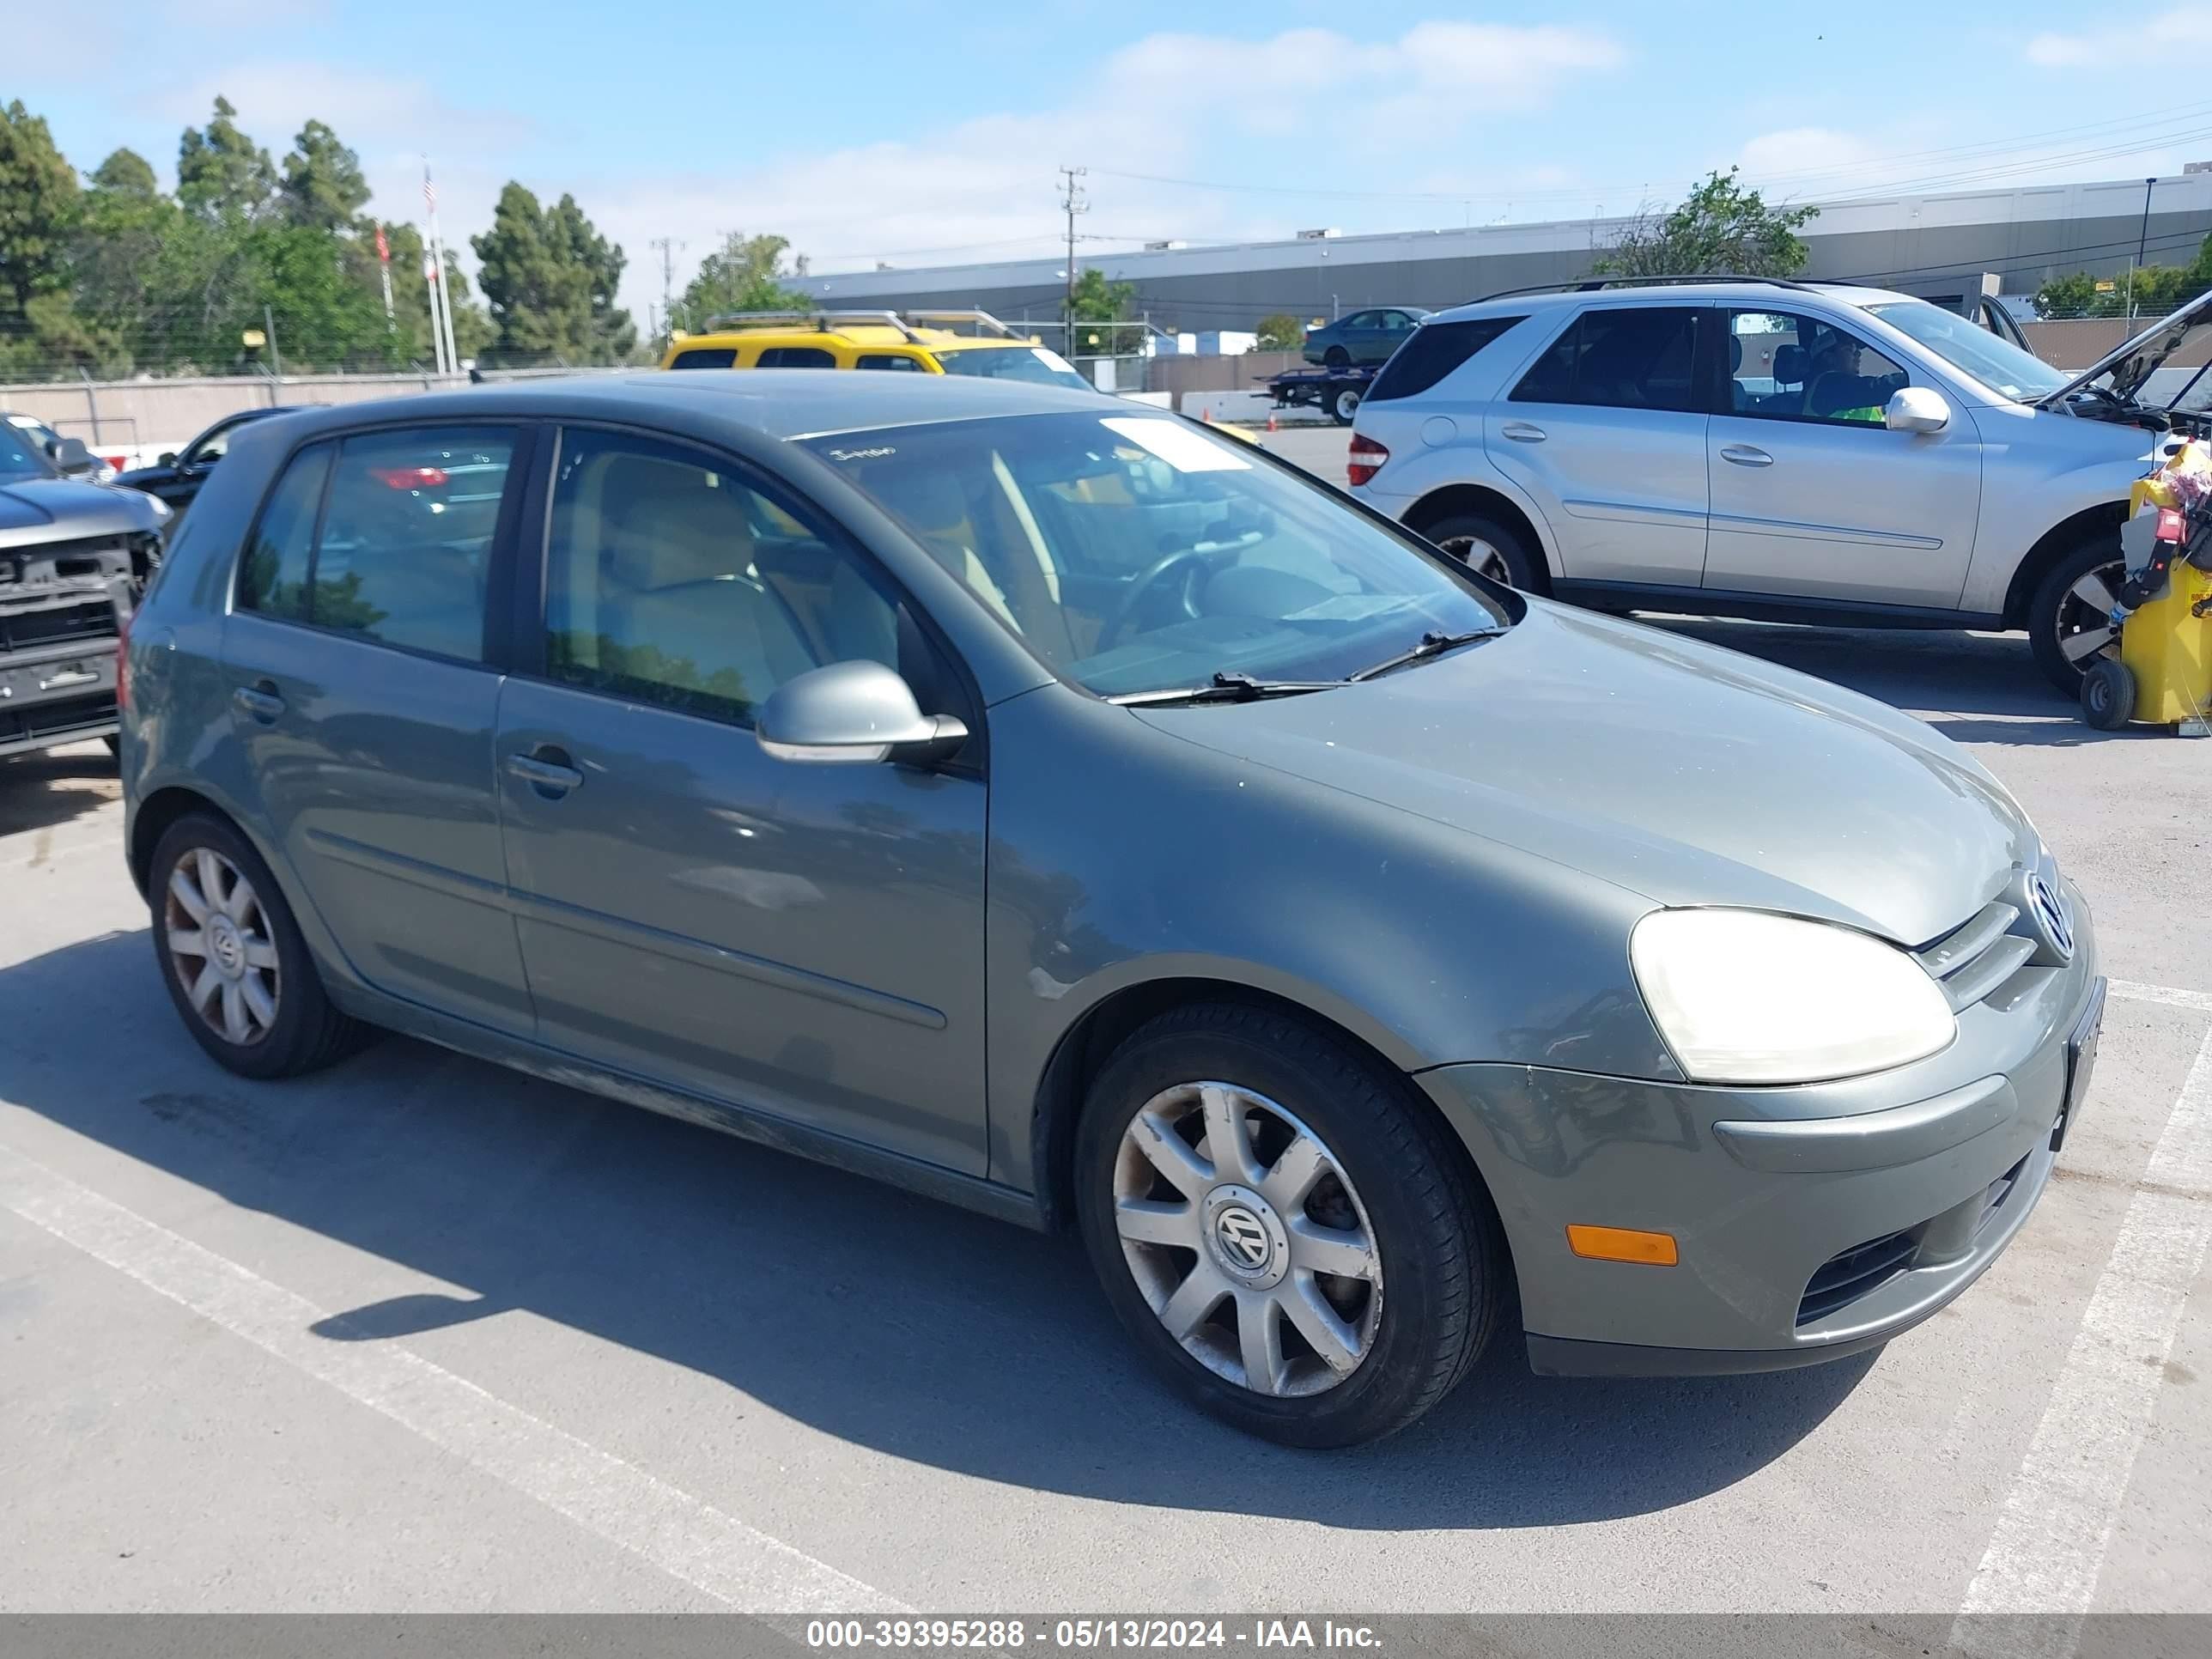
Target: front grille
x=29, y=722
x=1972, y=961
x=91, y=619
x=2000, y=1189
x=1862, y=1269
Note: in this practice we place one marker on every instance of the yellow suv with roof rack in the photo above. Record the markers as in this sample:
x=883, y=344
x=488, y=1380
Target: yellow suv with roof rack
x=913, y=342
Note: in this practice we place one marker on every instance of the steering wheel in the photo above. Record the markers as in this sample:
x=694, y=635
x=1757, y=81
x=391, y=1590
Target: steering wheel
x=1183, y=559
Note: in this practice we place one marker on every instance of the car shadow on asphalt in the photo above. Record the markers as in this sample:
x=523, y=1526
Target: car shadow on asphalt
x=1972, y=687
x=37, y=791
x=899, y=1324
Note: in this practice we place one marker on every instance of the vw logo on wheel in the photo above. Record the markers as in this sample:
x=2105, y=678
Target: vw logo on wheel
x=2051, y=916
x=1243, y=1239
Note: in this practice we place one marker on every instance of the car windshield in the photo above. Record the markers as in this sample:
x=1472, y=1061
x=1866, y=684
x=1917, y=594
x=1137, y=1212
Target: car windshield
x=1137, y=553
x=1997, y=363
x=1031, y=363
x=20, y=459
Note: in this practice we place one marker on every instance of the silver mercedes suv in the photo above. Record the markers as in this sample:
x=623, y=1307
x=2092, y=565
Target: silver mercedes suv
x=1799, y=451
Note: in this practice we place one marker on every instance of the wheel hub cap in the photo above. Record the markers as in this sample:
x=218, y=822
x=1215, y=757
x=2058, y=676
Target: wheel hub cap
x=225, y=949
x=1246, y=1237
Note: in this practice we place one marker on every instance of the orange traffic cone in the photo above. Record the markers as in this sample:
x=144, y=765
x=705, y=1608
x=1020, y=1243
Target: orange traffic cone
x=1271, y=423
x=1205, y=417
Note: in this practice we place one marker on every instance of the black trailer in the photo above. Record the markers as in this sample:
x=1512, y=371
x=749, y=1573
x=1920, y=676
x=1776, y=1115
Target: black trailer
x=1335, y=391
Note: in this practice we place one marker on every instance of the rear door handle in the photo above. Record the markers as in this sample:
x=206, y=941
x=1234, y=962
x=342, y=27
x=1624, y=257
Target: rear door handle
x=1745, y=455
x=261, y=701
x=551, y=778
x=1522, y=433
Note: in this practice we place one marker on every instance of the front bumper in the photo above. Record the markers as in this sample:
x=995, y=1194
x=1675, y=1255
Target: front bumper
x=1811, y=1222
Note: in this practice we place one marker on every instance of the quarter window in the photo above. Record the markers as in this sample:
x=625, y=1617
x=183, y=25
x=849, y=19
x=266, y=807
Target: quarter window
x=1621, y=357
x=1433, y=352
x=273, y=578
x=1783, y=366
x=706, y=357
x=670, y=580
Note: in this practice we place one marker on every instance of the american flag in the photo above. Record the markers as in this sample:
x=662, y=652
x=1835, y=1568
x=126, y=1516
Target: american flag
x=429, y=190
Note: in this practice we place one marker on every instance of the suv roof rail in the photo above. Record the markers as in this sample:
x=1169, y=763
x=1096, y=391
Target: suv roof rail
x=824, y=321
x=963, y=315
x=1593, y=284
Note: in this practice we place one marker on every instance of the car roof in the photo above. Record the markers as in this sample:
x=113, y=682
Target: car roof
x=1749, y=289
x=779, y=403
x=854, y=334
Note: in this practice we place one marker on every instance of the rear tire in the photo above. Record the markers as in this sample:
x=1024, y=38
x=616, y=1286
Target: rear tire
x=1343, y=405
x=1384, y=1177
x=1336, y=357
x=1492, y=549
x=264, y=1013
x=2108, y=695
x=2067, y=614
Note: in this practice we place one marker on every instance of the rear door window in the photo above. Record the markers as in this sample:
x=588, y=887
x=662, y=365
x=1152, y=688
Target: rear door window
x=1433, y=352
x=1622, y=357
x=889, y=360
x=795, y=357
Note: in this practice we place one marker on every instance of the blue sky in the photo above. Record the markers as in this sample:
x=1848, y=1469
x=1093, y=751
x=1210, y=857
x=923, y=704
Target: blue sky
x=922, y=135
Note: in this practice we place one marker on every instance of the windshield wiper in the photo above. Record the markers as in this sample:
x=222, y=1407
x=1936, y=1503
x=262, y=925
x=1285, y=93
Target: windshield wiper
x=1227, y=686
x=1433, y=644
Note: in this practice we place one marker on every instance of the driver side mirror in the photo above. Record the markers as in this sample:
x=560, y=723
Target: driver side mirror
x=167, y=458
x=1915, y=409
x=71, y=456
x=852, y=713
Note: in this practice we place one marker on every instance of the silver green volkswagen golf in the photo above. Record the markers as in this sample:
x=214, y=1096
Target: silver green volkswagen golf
x=1053, y=806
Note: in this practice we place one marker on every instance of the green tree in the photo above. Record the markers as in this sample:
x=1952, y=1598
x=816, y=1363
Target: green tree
x=1097, y=301
x=126, y=173
x=222, y=172
x=746, y=273
x=37, y=210
x=1280, y=332
x=548, y=278
x=322, y=184
x=2150, y=291
x=1720, y=227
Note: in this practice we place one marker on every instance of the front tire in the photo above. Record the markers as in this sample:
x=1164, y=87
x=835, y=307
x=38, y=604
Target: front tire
x=1293, y=1241
x=233, y=957
x=2069, y=617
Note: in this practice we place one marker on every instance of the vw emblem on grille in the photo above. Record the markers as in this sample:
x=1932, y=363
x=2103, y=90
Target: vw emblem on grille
x=2051, y=916
x=1243, y=1240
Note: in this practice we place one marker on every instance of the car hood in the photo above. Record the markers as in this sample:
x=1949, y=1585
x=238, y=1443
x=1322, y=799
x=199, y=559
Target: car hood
x=1686, y=773
x=2135, y=359
x=42, y=510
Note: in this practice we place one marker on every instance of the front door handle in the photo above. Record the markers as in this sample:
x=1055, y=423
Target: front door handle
x=259, y=700
x=547, y=771
x=1745, y=455
x=1522, y=433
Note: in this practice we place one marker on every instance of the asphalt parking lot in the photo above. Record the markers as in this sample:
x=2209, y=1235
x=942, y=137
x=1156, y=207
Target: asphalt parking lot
x=422, y=1334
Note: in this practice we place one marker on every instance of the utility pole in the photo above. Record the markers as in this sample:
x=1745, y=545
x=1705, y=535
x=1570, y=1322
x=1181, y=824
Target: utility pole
x=1074, y=204
x=668, y=250
x=2143, y=246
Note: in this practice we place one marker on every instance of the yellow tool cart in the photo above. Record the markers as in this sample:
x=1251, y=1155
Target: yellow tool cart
x=2163, y=674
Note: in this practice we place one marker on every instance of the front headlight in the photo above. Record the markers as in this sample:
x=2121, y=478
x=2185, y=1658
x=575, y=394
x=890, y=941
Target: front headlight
x=1745, y=996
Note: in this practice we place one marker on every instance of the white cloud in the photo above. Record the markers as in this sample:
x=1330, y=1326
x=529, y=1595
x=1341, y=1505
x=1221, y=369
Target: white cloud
x=275, y=99
x=2119, y=44
x=985, y=189
x=1813, y=150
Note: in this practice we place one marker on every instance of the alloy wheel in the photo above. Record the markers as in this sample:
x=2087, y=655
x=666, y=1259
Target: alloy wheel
x=2084, y=622
x=1248, y=1239
x=1479, y=556
x=221, y=947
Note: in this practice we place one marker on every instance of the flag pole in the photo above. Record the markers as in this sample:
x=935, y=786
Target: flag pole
x=443, y=303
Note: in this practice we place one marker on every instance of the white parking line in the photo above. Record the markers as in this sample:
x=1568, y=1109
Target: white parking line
x=2057, y=1520
x=685, y=1538
x=2171, y=996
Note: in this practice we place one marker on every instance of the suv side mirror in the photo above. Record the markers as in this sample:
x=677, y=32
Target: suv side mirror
x=855, y=712
x=72, y=456
x=1916, y=409
x=167, y=458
